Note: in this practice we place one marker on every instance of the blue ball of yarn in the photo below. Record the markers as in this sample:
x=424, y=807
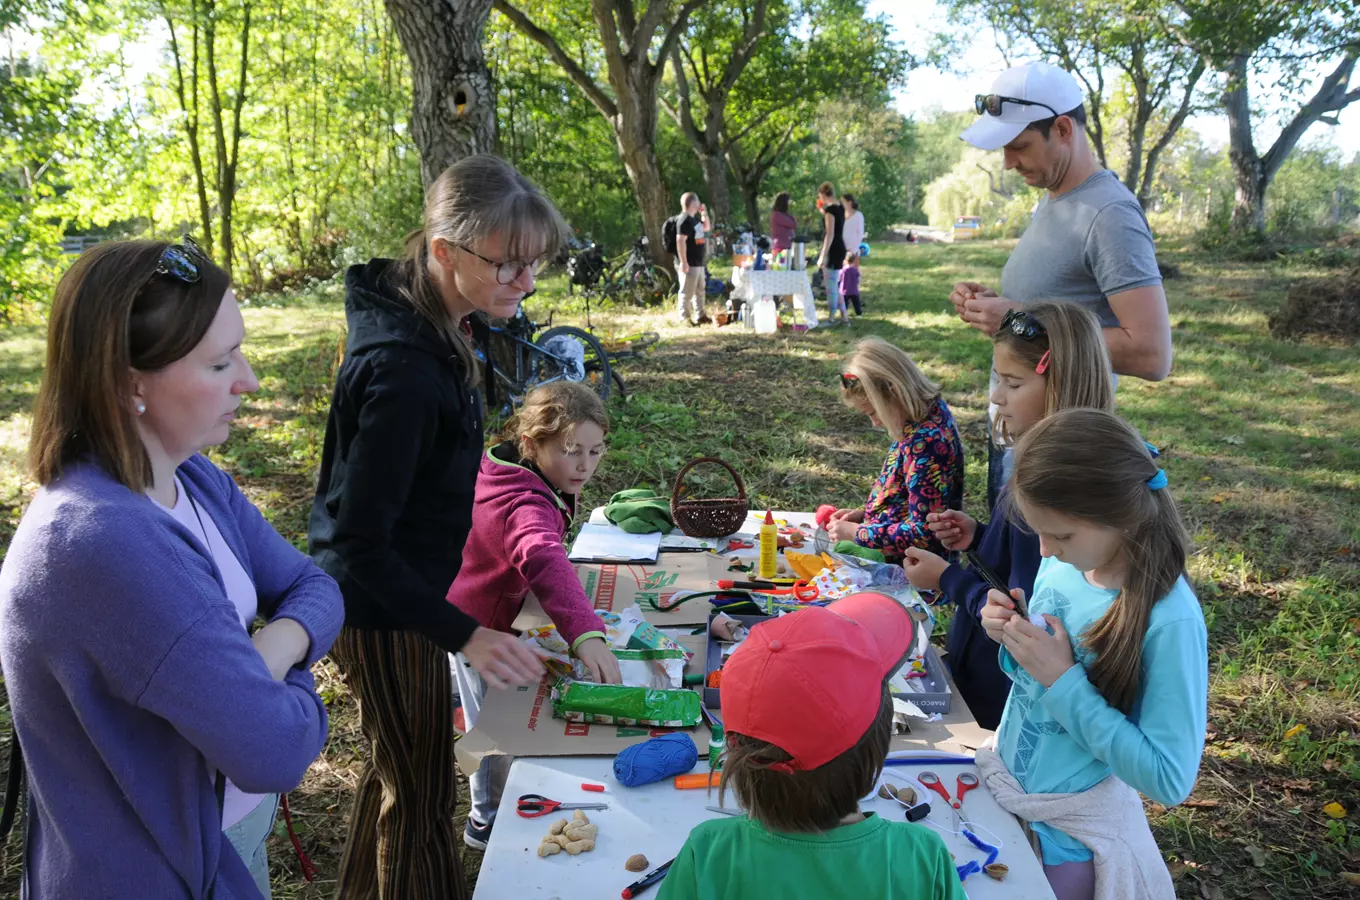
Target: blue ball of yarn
x=661, y=757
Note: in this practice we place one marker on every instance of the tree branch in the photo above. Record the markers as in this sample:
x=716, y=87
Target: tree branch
x=738, y=61
x=1331, y=96
x=677, y=28
x=576, y=73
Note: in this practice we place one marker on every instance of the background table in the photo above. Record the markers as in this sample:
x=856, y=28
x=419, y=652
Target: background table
x=750, y=284
x=655, y=820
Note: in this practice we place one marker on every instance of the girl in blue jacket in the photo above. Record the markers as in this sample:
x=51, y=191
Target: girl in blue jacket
x=1047, y=357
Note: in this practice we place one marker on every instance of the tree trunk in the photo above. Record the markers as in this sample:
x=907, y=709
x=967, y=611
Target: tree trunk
x=633, y=79
x=715, y=180
x=635, y=128
x=1249, y=212
x=453, y=113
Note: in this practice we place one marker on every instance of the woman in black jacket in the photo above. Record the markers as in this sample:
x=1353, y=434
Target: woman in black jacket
x=394, y=505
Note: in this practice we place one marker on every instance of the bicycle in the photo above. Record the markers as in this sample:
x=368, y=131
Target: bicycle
x=522, y=355
x=632, y=277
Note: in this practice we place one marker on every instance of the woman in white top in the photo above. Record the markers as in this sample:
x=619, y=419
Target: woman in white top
x=853, y=232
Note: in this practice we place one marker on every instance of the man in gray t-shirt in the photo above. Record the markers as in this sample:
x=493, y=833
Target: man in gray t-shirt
x=1088, y=241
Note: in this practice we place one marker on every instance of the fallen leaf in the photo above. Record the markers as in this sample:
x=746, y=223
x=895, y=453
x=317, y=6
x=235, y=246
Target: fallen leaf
x=1210, y=891
x=1206, y=478
x=1201, y=804
x=1232, y=439
x=1258, y=856
x=1351, y=877
x=1177, y=869
x=1335, y=810
x=1344, y=551
x=1296, y=730
x=1329, y=765
x=1218, y=498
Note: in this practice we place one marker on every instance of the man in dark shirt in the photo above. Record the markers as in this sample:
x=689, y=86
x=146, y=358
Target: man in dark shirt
x=689, y=259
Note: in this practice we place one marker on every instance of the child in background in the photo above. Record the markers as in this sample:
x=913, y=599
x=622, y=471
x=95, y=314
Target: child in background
x=850, y=284
x=1117, y=684
x=1047, y=357
x=526, y=496
x=923, y=470
x=804, y=835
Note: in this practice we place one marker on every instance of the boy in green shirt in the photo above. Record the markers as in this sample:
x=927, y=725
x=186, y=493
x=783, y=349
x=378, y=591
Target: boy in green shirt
x=808, y=715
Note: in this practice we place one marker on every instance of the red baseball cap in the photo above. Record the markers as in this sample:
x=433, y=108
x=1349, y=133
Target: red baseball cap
x=811, y=682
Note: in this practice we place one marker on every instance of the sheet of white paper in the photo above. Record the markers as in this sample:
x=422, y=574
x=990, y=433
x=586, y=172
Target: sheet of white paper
x=608, y=543
x=685, y=542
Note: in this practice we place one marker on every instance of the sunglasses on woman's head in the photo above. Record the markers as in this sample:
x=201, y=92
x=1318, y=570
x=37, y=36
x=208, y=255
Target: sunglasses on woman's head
x=182, y=262
x=849, y=382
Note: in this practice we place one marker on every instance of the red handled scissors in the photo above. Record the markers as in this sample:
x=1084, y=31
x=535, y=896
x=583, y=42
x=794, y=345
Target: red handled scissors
x=531, y=806
x=967, y=781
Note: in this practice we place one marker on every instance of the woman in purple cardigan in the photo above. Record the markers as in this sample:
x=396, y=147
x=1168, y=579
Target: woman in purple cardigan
x=157, y=731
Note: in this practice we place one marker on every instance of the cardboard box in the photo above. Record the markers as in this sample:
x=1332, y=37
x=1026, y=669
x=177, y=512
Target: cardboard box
x=937, y=696
x=615, y=586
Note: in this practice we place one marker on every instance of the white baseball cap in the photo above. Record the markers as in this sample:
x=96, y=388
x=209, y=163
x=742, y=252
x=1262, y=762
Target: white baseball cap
x=1047, y=91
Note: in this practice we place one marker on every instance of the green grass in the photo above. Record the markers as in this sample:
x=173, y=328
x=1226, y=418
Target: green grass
x=1261, y=440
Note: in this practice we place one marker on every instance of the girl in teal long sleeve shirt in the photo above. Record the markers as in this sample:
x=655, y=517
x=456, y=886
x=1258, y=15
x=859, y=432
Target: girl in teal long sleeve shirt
x=1111, y=670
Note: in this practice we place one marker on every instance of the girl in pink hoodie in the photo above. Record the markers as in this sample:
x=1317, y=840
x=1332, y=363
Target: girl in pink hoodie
x=526, y=497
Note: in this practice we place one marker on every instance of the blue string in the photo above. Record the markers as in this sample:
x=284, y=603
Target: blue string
x=655, y=760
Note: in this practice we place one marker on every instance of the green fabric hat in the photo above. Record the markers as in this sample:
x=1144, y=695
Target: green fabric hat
x=640, y=511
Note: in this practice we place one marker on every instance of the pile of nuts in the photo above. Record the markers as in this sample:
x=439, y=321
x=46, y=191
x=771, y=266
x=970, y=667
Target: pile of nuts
x=576, y=836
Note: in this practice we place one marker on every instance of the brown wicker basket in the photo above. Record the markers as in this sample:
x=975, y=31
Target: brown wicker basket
x=709, y=518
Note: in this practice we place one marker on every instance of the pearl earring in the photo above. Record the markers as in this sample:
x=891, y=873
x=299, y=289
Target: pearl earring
x=141, y=408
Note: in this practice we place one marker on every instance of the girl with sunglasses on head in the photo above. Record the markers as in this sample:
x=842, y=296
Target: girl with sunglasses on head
x=157, y=731
x=1047, y=357
x=923, y=470
x=393, y=510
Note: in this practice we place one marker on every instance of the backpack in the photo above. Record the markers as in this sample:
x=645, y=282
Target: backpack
x=669, y=230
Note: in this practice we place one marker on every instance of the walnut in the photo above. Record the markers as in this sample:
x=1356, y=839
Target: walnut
x=887, y=791
x=999, y=871
x=637, y=863
x=907, y=796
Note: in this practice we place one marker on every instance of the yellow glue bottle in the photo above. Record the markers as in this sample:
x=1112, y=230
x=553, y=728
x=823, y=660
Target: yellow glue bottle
x=769, y=548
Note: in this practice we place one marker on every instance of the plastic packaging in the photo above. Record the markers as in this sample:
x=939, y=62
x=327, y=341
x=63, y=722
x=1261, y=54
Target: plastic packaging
x=766, y=316
x=616, y=704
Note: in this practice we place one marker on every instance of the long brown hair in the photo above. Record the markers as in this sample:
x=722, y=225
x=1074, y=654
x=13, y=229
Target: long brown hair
x=811, y=801
x=883, y=377
x=1092, y=465
x=474, y=198
x=1078, y=369
x=781, y=202
x=112, y=313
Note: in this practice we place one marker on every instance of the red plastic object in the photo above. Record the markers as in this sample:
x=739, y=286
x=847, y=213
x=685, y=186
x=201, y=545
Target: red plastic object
x=596, y=788
x=824, y=515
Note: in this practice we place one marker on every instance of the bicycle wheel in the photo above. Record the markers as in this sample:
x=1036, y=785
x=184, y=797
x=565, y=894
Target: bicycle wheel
x=570, y=354
x=620, y=389
x=651, y=285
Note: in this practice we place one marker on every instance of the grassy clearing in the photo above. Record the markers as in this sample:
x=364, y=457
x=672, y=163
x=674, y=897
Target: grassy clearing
x=1261, y=441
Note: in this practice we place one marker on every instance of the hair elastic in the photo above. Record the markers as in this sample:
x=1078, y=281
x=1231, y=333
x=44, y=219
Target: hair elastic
x=1158, y=481
x=1044, y=360
x=1152, y=449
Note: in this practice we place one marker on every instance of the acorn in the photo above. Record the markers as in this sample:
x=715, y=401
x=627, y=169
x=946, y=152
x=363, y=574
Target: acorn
x=999, y=871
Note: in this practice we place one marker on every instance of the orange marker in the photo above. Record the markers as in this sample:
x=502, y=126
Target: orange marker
x=697, y=780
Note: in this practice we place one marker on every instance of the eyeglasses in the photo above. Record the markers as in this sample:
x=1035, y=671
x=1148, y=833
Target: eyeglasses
x=990, y=104
x=181, y=262
x=508, y=271
x=1023, y=325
